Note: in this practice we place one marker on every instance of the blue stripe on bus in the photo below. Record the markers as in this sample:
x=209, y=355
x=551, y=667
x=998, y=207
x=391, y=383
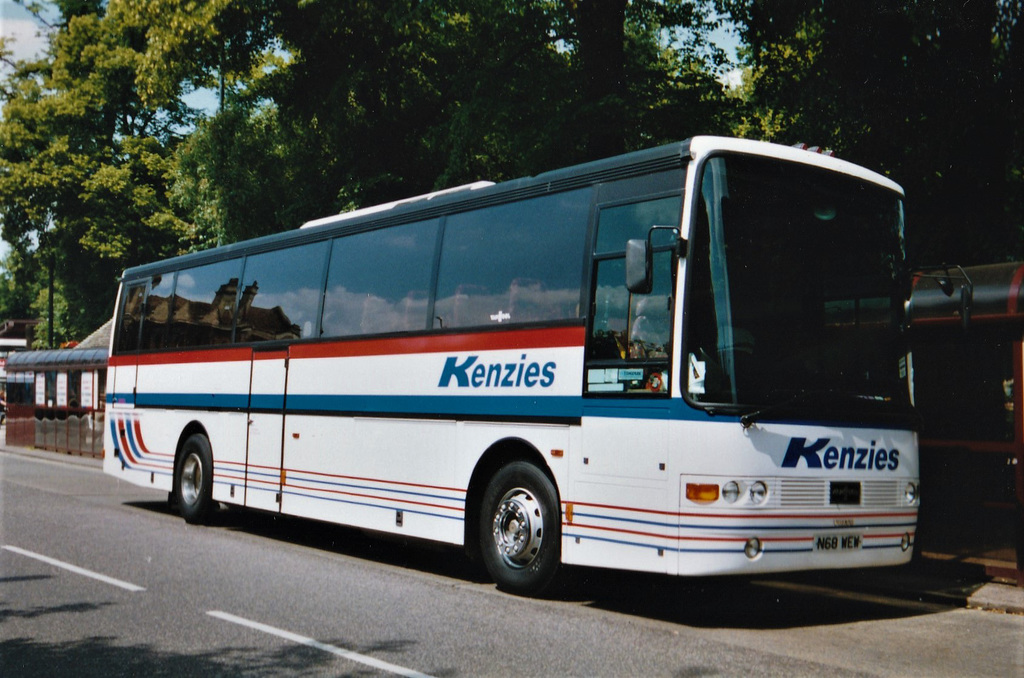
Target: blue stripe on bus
x=296, y=477
x=262, y=401
x=194, y=400
x=717, y=526
x=482, y=406
x=769, y=548
x=654, y=547
x=499, y=406
x=366, y=504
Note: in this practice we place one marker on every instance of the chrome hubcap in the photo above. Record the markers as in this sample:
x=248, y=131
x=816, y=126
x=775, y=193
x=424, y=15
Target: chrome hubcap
x=191, y=478
x=518, y=528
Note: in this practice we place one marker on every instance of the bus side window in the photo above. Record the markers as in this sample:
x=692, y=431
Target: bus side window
x=131, y=318
x=513, y=263
x=650, y=324
x=611, y=311
x=281, y=294
x=378, y=281
x=158, y=312
x=633, y=326
x=204, y=305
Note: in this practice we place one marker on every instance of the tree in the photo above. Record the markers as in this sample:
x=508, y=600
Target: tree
x=345, y=105
x=408, y=97
x=19, y=285
x=322, y=106
x=83, y=165
x=235, y=177
x=927, y=92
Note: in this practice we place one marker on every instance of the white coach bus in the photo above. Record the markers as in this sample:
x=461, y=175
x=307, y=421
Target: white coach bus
x=472, y=367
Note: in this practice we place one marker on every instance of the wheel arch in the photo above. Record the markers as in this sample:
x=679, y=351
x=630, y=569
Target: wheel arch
x=192, y=428
x=497, y=455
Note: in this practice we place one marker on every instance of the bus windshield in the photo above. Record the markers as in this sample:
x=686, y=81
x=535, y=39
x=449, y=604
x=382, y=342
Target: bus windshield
x=796, y=297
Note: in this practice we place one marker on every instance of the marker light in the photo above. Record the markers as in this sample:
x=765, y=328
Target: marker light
x=731, y=491
x=815, y=149
x=702, y=493
x=758, y=492
x=752, y=549
x=910, y=493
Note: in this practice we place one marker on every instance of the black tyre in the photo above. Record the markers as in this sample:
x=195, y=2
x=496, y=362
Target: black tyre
x=521, y=529
x=193, y=479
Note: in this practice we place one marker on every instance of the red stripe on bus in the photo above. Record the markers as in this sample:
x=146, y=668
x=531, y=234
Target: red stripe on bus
x=896, y=513
x=653, y=535
x=206, y=355
x=270, y=355
x=143, y=449
x=382, y=481
x=360, y=495
x=447, y=343
x=556, y=337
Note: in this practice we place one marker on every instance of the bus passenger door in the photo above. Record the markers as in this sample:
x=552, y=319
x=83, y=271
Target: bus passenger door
x=266, y=429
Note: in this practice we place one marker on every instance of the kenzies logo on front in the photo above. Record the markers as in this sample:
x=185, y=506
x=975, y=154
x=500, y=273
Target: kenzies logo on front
x=473, y=374
x=820, y=454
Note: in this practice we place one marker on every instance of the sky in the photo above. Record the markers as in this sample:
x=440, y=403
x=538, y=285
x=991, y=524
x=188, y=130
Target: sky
x=21, y=30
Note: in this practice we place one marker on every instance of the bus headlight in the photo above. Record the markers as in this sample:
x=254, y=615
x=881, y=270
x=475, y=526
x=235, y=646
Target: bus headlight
x=910, y=493
x=758, y=493
x=731, y=491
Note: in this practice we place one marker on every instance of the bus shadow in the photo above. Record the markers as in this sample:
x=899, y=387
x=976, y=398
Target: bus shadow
x=395, y=550
x=762, y=602
x=765, y=602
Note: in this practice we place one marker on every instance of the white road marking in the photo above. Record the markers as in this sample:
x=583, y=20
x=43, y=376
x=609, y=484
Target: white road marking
x=74, y=568
x=309, y=642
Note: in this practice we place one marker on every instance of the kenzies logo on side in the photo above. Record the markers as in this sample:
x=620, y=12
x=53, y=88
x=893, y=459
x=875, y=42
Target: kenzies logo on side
x=856, y=458
x=470, y=373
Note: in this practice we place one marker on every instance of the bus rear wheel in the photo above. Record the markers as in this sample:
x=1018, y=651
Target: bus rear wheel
x=193, y=479
x=521, y=529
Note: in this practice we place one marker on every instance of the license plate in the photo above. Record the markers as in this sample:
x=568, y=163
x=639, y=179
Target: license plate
x=838, y=542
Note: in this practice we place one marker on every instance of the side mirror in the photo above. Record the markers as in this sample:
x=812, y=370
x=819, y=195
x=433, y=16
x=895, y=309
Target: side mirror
x=946, y=283
x=966, y=301
x=639, y=266
x=640, y=260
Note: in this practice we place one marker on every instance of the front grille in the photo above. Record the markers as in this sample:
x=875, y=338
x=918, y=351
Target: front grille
x=814, y=493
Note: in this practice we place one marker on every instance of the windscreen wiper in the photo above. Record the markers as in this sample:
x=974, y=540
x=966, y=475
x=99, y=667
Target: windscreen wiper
x=748, y=419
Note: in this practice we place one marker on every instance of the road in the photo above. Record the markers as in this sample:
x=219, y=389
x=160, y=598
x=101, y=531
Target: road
x=98, y=578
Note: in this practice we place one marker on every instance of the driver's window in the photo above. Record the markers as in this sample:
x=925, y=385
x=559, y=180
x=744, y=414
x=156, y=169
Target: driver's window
x=630, y=336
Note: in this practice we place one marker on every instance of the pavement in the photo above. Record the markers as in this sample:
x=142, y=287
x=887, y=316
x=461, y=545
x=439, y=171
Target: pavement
x=929, y=578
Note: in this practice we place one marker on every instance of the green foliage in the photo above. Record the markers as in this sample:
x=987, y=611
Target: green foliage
x=927, y=92
x=323, y=106
x=408, y=97
x=84, y=165
x=18, y=281
x=232, y=176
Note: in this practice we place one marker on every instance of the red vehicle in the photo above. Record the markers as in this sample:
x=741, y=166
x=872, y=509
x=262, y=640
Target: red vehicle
x=967, y=335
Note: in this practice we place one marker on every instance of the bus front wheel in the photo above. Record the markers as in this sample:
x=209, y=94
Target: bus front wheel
x=521, y=529
x=193, y=481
